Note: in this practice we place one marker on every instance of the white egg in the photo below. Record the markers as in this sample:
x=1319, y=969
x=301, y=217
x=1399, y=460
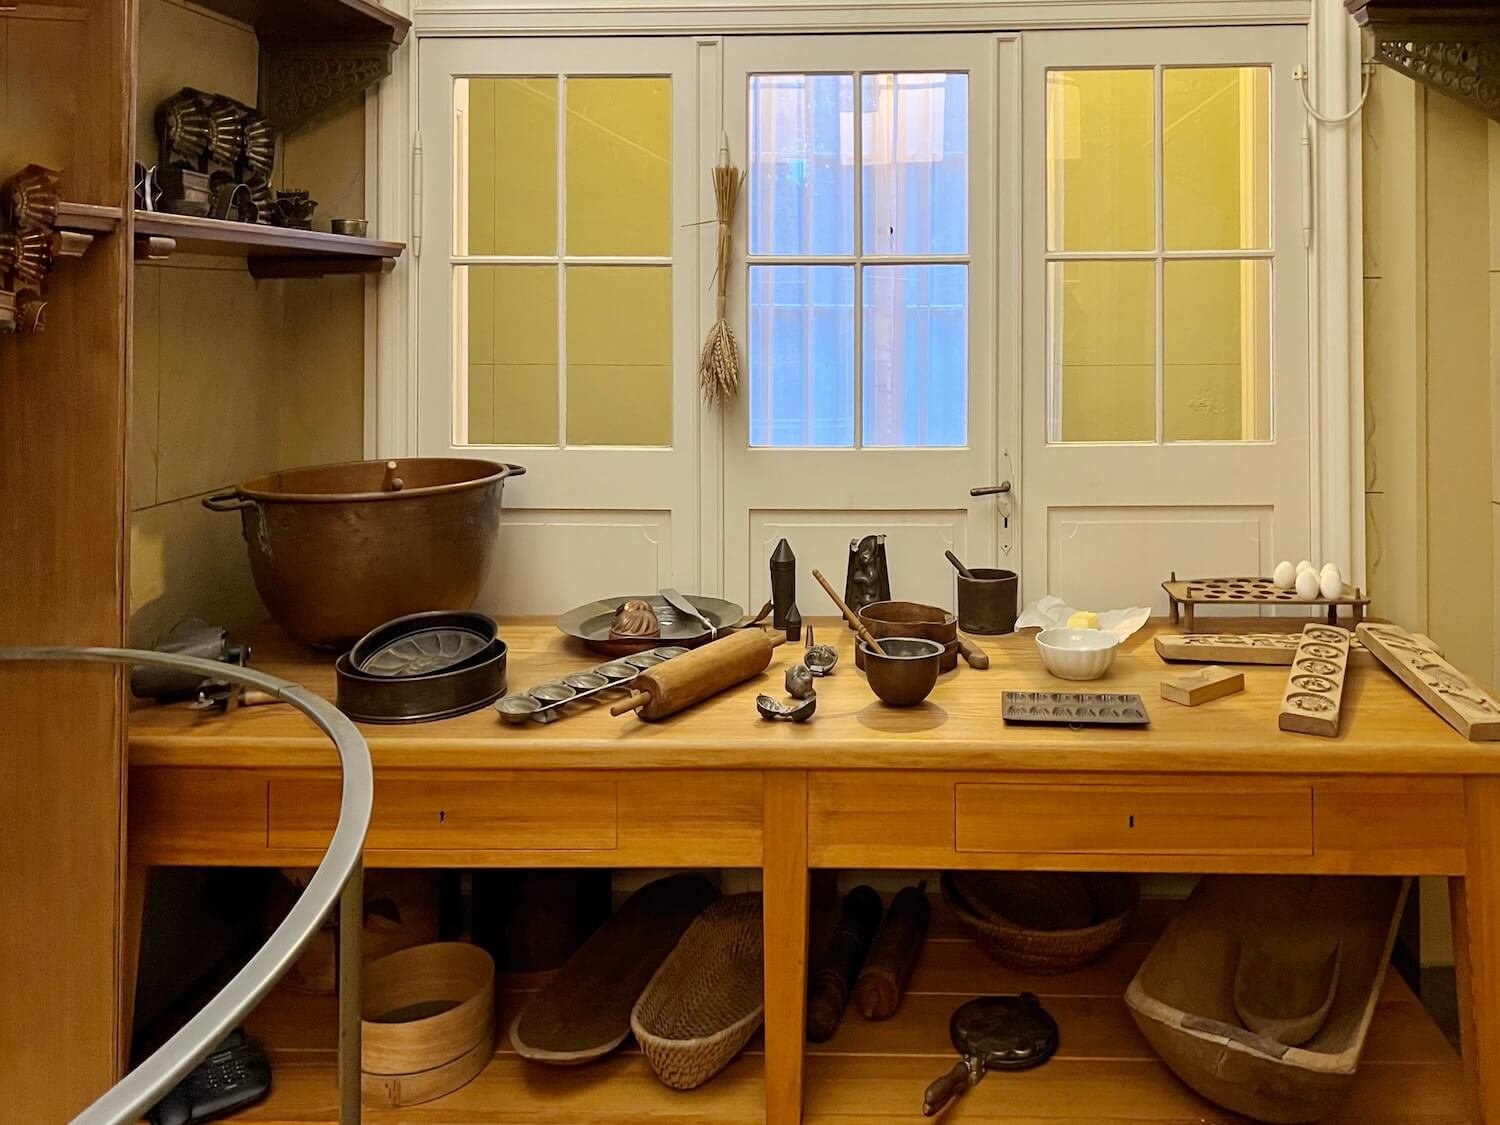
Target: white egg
x=1284, y=576
x=1304, y=565
x=1307, y=584
x=1330, y=568
x=1331, y=583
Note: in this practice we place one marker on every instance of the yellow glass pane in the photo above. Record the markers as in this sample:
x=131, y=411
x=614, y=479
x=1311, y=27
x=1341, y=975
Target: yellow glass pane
x=512, y=353
x=1216, y=158
x=619, y=355
x=1103, y=324
x=1216, y=381
x=510, y=167
x=1101, y=154
x=619, y=157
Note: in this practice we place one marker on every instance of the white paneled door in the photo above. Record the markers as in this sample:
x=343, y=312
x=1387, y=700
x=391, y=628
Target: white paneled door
x=865, y=299
x=1166, y=350
x=558, y=303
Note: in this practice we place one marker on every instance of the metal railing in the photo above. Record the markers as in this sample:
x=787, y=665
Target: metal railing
x=339, y=872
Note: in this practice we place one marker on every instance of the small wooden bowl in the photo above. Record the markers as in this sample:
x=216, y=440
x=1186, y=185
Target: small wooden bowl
x=428, y=1021
x=905, y=671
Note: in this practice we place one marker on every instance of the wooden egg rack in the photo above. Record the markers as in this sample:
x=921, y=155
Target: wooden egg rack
x=1183, y=595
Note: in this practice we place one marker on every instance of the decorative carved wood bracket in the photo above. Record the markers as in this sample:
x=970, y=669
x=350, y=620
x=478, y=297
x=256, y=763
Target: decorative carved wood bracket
x=299, y=82
x=1453, y=47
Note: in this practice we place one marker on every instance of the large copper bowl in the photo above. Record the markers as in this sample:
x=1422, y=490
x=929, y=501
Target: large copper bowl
x=339, y=549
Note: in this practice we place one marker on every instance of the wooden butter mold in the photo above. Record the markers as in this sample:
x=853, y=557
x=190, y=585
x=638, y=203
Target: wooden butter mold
x=1072, y=708
x=1461, y=703
x=1272, y=649
x=1315, y=685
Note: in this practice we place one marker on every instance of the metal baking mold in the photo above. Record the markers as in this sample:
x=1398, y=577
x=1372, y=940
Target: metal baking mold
x=1074, y=708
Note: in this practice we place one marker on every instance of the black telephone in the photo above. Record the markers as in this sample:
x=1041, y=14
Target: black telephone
x=235, y=1075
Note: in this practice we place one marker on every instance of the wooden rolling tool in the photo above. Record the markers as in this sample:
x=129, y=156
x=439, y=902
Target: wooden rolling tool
x=676, y=684
x=832, y=979
x=893, y=955
x=978, y=659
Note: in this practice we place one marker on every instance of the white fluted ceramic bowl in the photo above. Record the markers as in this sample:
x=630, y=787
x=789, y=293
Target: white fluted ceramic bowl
x=1077, y=654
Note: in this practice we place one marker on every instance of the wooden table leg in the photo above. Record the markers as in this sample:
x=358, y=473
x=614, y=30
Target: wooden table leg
x=784, y=893
x=132, y=919
x=1476, y=938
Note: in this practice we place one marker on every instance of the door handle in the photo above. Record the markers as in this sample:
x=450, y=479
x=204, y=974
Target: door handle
x=990, y=489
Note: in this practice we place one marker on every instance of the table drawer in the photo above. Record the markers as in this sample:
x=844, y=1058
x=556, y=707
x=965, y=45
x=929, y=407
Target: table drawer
x=519, y=815
x=1107, y=819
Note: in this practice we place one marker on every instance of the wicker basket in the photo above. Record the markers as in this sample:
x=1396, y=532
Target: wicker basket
x=707, y=999
x=1014, y=922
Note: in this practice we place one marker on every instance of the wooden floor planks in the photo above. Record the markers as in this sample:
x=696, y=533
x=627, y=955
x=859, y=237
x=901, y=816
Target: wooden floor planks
x=874, y=1073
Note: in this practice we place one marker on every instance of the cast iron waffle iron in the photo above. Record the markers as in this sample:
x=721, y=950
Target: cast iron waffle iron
x=993, y=1033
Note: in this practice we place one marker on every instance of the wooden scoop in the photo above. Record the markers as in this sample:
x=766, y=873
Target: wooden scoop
x=958, y=566
x=1285, y=991
x=849, y=615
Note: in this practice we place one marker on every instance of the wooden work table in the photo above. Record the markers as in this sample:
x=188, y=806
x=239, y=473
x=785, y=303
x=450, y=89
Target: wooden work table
x=1216, y=788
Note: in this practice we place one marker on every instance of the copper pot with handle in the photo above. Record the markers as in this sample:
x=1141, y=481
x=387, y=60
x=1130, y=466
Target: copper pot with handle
x=336, y=550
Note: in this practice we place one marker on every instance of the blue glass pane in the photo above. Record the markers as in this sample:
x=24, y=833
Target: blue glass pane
x=801, y=179
x=915, y=137
x=801, y=356
x=916, y=347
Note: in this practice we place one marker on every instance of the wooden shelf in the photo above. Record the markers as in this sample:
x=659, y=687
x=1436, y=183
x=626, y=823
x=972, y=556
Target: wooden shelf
x=871, y=1073
x=90, y=218
x=269, y=251
x=315, y=19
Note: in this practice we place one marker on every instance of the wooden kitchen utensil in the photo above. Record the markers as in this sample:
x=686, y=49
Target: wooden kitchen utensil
x=675, y=685
x=1184, y=594
x=1202, y=685
x=893, y=954
x=1461, y=703
x=1315, y=684
x=958, y=566
x=583, y=1012
x=849, y=615
x=1244, y=648
x=833, y=977
x=912, y=619
x=977, y=658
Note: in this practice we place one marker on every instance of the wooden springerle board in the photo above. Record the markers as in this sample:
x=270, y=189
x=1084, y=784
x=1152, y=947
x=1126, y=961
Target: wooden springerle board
x=1243, y=648
x=1463, y=704
x=1315, y=682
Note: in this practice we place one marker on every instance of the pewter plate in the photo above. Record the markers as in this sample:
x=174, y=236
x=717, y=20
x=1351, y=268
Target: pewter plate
x=1074, y=708
x=590, y=623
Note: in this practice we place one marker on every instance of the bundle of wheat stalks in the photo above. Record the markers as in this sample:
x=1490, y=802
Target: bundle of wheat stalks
x=719, y=365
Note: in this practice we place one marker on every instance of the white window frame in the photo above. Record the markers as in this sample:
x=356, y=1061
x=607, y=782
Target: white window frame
x=1332, y=176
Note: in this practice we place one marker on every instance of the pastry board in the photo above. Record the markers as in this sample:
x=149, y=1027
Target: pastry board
x=1413, y=660
x=1074, y=708
x=1315, y=683
x=1184, y=594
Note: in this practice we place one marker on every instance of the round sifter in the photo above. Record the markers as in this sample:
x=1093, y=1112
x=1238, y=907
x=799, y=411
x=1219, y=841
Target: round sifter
x=993, y=1033
x=421, y=644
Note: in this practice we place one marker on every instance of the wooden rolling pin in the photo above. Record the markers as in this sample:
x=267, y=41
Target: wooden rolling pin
x=833, y=979
x=676, y=684
x=893, y=955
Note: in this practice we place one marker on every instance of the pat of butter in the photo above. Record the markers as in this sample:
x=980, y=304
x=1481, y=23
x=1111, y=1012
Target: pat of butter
x=1084, y=619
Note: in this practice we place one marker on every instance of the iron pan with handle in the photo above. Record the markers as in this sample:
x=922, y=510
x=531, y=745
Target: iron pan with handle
x=993, y=1033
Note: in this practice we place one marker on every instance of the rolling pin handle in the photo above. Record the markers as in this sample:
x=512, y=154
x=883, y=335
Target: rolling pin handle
x=632, y=702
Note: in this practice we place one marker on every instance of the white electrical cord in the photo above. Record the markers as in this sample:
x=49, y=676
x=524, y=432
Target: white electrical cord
x=1301, y=75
